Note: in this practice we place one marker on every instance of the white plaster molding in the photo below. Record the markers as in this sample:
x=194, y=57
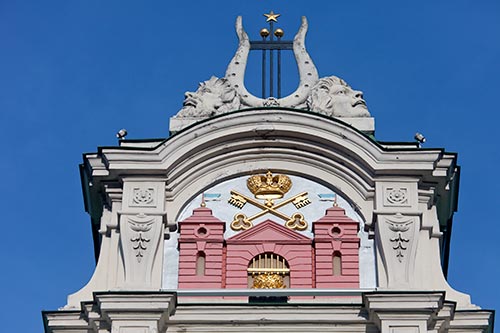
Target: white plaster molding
x=135, y=312
x=366, y=125
x=131, y=253
x=474, y=321
x=159, y=312
x=404, y=312
x=115, y=312
x=273, y=318
x=108, y=273
x=65, y=322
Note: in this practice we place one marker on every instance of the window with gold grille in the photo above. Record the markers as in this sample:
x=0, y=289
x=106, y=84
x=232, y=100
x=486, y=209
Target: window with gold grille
x=268, y=271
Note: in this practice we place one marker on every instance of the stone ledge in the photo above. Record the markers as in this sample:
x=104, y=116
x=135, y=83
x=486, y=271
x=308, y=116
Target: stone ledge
x=366, y=124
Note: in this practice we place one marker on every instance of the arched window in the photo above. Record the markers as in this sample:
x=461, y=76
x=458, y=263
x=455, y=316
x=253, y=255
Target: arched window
x=268, y=271
x=337, y=263
x=200, y=264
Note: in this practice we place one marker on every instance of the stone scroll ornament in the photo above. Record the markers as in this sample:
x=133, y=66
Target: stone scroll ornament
x=330, y=96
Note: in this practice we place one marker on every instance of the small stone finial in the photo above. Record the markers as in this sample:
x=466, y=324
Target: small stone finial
x=272, y=16
x=203, y=203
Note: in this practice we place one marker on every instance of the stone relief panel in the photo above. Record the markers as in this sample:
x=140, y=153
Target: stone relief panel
x=396, y=236
x=143, y=197
x=139, y=240
x=140, y=237
x=400, y=241
x=396, y=196
x=138, y=195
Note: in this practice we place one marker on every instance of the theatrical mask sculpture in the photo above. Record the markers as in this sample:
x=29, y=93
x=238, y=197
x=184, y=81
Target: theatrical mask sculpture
x=213, y=97
x=333, y=97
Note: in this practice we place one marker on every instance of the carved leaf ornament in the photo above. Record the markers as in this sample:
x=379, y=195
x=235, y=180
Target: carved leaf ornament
x=140, y=241
x=399, y=241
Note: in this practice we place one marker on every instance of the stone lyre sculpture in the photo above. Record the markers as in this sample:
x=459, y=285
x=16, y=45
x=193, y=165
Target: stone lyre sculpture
x=330, y=96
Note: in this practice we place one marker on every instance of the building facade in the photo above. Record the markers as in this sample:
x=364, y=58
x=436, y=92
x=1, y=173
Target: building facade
x=270, y=214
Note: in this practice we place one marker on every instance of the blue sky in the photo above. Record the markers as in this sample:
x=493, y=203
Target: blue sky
x=74, y=72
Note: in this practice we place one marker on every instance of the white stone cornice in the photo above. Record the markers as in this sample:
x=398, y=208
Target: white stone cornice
x=472, y=321
x=271, y=314
x=257, y=125
x=145, y=312
x=412, y=312
x=65, y=321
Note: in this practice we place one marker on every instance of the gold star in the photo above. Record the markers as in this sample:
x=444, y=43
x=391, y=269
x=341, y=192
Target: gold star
x=272, y=17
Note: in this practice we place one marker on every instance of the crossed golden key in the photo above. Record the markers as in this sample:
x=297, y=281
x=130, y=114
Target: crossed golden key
x=296, y=221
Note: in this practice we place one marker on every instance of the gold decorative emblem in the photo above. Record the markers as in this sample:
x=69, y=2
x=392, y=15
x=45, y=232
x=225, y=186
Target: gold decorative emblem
x=272, y=16
x=268, y=281
x=296, y=222
x=241, y=222
x=269, y=187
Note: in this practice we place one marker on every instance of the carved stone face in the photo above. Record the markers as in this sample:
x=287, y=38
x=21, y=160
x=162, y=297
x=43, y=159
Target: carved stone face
x=332, y=96
x=213, y=97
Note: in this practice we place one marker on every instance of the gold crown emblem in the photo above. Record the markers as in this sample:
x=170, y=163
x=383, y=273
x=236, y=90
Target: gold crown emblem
x=269, y=186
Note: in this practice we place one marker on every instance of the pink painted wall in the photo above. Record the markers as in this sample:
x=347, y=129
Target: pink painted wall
x=226, y=261
x=201, y=232
x=269, y=236
x=335, y=232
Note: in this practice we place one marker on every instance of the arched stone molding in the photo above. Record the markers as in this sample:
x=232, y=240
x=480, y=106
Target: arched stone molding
x=184, y=194
x=298, y=142
x=271, y=126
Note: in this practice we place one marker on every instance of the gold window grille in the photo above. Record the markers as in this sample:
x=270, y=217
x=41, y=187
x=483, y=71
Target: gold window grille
x=268, y=271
